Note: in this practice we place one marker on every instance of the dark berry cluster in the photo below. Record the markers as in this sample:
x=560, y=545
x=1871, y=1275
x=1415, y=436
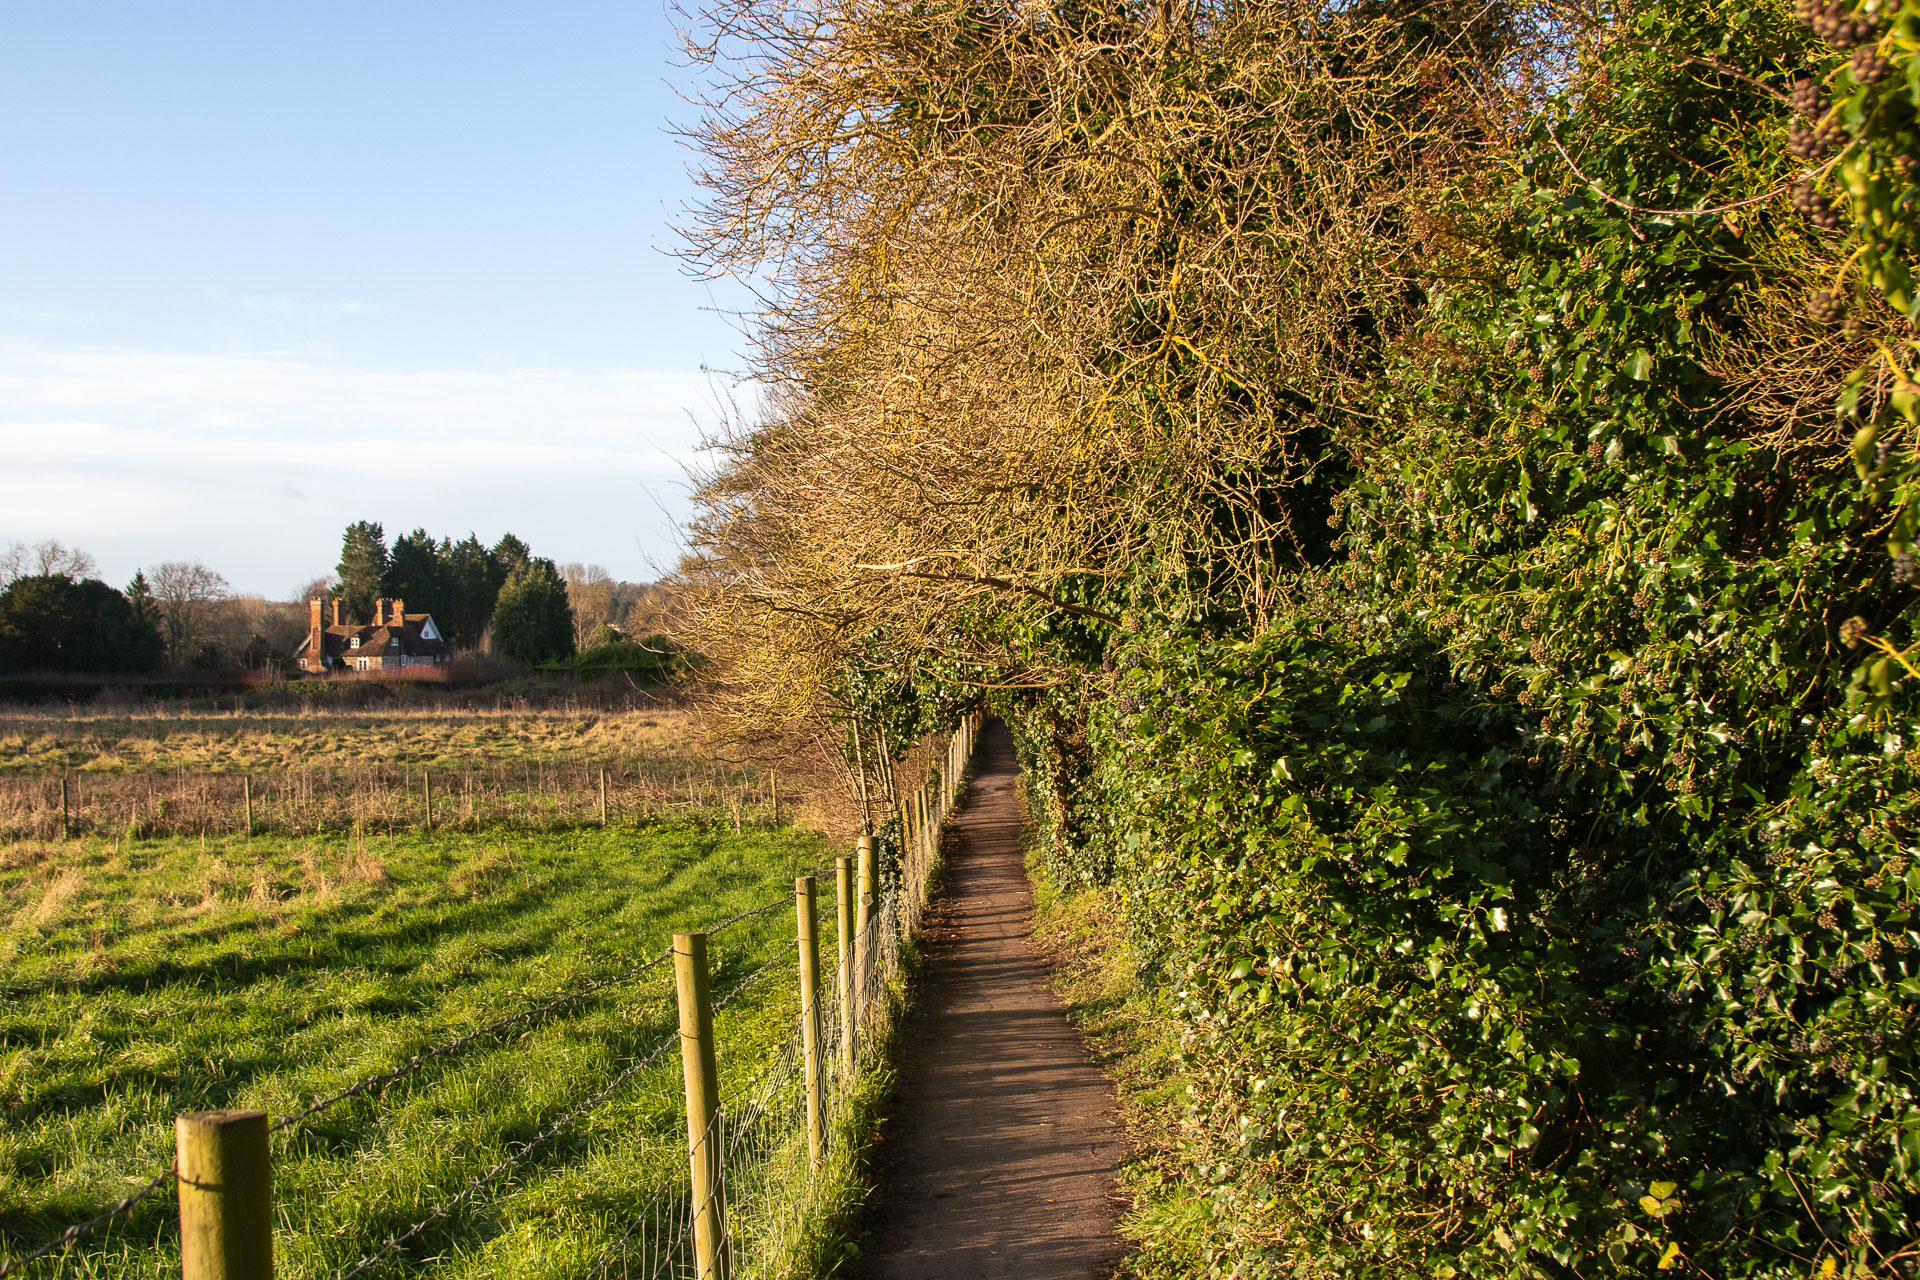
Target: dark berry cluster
x=1826, y=308
x=1817, y=208
x=1815, y=141
x=1807, y=99
x=1869, y=65
x=1834, y=24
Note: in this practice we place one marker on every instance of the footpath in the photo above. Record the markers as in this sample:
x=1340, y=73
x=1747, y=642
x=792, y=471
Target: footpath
x=1000, y=1160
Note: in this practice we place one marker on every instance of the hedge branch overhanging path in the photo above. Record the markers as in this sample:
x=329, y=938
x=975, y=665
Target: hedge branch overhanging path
x=1002, y=1160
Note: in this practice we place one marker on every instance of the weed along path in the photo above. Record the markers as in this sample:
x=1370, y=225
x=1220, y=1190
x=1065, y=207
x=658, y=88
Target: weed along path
x=1001, y=1161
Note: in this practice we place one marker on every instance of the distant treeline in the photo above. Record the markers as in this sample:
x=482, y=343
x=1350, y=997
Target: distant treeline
x=58, y=616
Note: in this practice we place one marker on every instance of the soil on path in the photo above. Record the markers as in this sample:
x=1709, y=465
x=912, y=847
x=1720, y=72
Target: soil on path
x=1001, y=1160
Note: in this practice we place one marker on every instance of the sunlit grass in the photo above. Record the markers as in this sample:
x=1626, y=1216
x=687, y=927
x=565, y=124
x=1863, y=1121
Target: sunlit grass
x=147, y=978
x=156, y=739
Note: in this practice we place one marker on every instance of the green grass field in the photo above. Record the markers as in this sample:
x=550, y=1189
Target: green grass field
x=143, y=979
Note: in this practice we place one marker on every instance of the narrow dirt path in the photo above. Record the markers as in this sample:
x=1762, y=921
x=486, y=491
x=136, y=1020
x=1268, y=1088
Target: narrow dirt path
x=1001, y=1160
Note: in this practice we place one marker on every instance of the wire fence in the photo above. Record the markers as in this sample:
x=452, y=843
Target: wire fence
x=314, y=799
x=773, y=1185
x=777, y=1171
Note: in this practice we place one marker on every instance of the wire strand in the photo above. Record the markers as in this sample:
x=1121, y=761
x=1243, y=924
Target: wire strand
x=80, y=1230
x=394, y=1243
x=419, y=1060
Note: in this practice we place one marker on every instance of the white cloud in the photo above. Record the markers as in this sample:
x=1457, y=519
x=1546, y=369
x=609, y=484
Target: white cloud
x=255, y=462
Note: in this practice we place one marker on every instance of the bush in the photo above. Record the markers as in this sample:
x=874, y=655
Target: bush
x=650, y=660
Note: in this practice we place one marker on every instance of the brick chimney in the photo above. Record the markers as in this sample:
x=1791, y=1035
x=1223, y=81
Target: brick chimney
x=398, y=617
x=336, y=612
x=316, y=637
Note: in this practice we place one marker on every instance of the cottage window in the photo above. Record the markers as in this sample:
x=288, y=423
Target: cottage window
x=360, y=664
x=354, y=643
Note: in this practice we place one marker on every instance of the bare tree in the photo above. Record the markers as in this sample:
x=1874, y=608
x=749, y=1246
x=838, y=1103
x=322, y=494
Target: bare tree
x=594, y=596
x=186, y=591
x=47, y=556
x=319, y=588
x=1046, y=295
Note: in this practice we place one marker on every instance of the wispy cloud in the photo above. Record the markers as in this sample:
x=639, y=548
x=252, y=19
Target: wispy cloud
x=254, y=462
x=291, y=307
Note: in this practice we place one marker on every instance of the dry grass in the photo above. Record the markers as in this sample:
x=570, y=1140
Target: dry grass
x=161, y=739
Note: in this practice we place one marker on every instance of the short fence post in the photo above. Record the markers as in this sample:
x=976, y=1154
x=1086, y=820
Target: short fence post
x=843, y=893
x=66, y=819
x=603, y=797
x=246, y=796
x=705, y=1149
x=863, y=939
x=426, y=787
x=226, y=1196
x=810, y=1029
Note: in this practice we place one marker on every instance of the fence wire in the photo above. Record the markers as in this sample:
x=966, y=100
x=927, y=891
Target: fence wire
x=770, y=1185
x=81, y=1230
x=381, y=1079
x=393, y=1244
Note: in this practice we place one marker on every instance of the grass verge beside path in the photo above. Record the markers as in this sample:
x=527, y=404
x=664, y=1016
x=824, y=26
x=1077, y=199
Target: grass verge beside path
x=142, y=979
x=1135, y=1039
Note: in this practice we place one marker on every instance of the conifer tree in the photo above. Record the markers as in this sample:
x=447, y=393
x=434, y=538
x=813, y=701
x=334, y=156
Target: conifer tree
x=417, y=573
x=363, y=567
x=532, y=621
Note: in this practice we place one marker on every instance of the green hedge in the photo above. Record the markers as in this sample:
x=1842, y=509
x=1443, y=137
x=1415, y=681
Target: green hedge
x=1537, y=880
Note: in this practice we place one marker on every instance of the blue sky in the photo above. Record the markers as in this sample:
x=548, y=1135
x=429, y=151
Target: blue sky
x=268, y=268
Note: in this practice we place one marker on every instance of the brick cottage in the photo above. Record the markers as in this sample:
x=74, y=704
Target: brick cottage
x=393, y=640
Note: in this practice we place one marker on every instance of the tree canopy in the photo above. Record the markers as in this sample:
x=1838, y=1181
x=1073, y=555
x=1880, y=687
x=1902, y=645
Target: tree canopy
x=53, y=622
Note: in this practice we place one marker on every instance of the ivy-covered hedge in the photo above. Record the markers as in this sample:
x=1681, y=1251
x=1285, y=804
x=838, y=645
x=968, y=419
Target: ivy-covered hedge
x=1539, y=881
x=1465, y=1015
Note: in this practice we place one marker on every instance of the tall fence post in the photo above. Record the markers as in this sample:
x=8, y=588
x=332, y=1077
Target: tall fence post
x=226, y=1196
x=66, y=817
x=246, y=798
x=603, y=795
x=810, y=1029
x=863, y=926
x=843, y=901
x=697, y=1064
x=426, y=788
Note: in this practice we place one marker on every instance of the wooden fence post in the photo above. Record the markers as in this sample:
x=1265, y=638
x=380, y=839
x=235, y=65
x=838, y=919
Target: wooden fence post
x=843, y=893
x=603, y=795
x=426, y=786
x=866, y=854
x=66, y=818
x=705, y=1146
x=226, y=1196
x=246, y=796
x=810, y=1028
